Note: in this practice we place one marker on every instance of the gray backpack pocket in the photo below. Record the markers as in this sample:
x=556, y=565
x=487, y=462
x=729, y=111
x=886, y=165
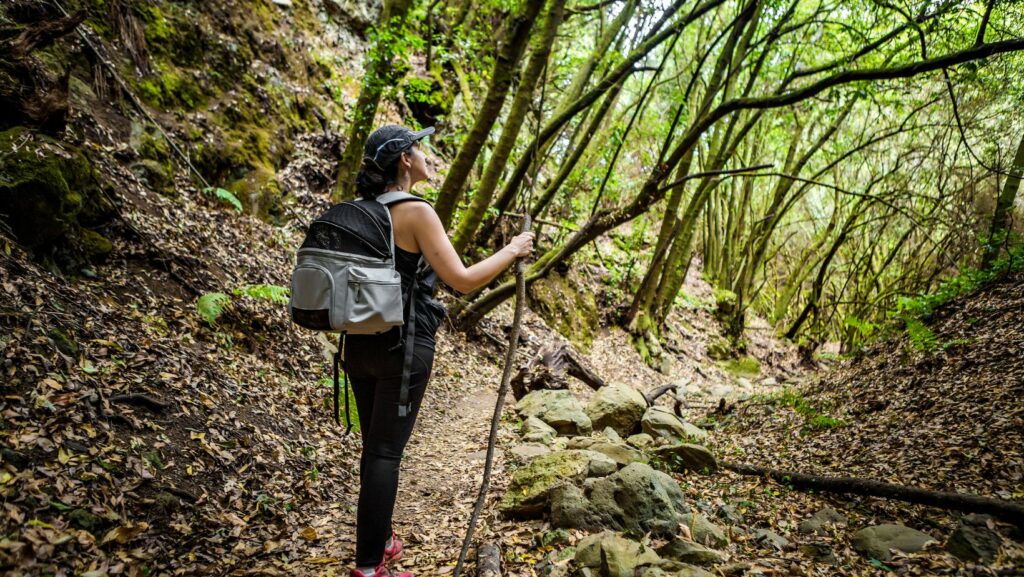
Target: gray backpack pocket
x=312, y=296
x=373, y=301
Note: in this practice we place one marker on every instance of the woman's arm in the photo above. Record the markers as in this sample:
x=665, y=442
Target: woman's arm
x=437, y=249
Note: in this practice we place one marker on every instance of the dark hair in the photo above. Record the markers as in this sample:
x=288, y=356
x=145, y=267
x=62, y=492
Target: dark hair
x=373, y=178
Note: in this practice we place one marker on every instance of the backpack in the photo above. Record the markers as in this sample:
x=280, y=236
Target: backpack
x=345, y=281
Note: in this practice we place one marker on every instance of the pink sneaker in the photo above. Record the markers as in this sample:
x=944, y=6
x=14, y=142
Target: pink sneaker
x=380, y=571
x=394, y=552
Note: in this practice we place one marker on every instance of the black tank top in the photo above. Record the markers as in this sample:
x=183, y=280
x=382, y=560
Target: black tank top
x=429, y=311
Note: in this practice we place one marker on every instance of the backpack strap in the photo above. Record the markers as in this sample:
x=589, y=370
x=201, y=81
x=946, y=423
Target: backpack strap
x=337, y=359
x=404, y=406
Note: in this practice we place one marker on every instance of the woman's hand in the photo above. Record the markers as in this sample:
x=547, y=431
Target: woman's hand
x=522, y=244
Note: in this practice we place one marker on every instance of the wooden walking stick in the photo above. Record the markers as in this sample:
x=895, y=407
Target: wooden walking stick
x=506, y=377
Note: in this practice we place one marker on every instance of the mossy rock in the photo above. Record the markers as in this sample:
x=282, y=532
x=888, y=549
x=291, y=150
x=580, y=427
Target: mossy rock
x=260, y=193
x=573, y=312
x=154, y=175
x=47, y=192
x=170, y=87
x=720, y=348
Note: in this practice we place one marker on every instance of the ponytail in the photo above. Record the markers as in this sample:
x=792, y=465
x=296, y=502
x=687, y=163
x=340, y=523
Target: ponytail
x=373, y=178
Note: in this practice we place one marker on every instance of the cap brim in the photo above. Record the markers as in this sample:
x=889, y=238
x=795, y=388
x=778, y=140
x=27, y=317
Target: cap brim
x=418, y=135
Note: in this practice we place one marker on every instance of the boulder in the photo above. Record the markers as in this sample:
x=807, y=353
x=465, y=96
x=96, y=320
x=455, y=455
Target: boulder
x=613, y=555
x=820, y=521
x=535, y=430
x=636, y=498
x=558, y=408
x=704, y=531
x=640, y=440
x=658, y=422
x=617, y=406
x=620, y=453
x=687, y=457
x=876, y=541
x=528, y=451
x=528, y=492
x=690, y=552
x=974, y=540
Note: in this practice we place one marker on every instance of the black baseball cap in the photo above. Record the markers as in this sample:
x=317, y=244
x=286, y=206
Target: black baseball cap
x=388, y=142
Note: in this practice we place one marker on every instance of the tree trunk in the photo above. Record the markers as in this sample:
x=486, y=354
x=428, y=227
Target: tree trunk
x=510, y=130
x=1004, y=207
x=379, y=74
x=505, y=64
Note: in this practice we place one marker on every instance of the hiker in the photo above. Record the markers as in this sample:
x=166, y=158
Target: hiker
x=393, y=161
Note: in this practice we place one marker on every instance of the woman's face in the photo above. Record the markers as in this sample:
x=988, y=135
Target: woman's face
x=417, y=165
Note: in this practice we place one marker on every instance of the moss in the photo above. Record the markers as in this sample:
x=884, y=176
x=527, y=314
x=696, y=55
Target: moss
x=260, y=193
x=742, y=367
x=169, y=87
x=87, y=520
x=94, y=246
x=48, y=191
x=154, y=175
x=571, y=311
x=63, y=341
x=720, y=348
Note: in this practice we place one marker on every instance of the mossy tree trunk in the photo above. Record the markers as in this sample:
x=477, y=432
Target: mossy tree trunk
x=381, y=72
x=506, y=62
x=513, y=123
x=1004, y=207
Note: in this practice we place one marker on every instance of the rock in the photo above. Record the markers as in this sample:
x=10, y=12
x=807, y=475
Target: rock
x=690, y=552
x=618, y=452
x=658, y=422
x=528, y=451
x=771, y=539
x=528, y=492
x=820, y=521
x=729, y=514
x=672, y=568
x=559, y=409
x=640, y=440
x=617, y=406
x=552, y=538
x=613, y=555
x=819, y=552
x=974, y=540
x=154, y=175
x=636, y=498
x=535, y=430
x=876, y=541
x=612, y=435
x=85, y=519
x=704, y=531
x=687, y=457
x=601, y=464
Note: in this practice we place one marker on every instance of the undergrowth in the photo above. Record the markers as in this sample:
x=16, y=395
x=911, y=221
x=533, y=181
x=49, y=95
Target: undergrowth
x=814, y=419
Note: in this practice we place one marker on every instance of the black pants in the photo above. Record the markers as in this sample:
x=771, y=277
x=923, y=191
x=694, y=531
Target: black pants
x=375, y=374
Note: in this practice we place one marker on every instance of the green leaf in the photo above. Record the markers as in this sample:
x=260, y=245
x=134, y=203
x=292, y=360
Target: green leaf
x=212, y=305
x=271, y=292
x=225, y=196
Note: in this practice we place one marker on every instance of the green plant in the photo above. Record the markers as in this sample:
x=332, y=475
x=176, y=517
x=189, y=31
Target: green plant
x=225, y=196
x=273, y=293
x=814, y=420
x=212, y=305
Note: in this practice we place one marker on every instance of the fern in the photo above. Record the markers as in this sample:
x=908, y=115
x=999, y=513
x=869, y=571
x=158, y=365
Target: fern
x=225, y=196
x=211, y=305
x=271, y=292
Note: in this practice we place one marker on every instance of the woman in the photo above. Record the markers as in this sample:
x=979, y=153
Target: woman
x=393, y=161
